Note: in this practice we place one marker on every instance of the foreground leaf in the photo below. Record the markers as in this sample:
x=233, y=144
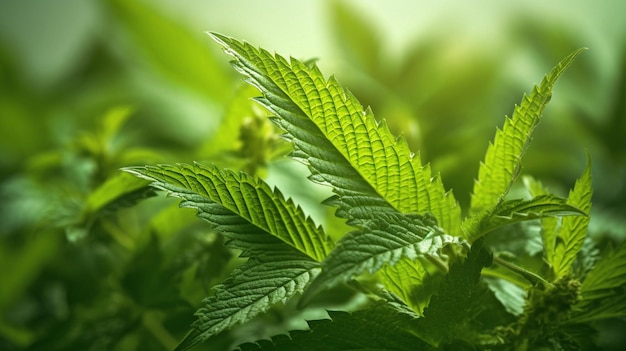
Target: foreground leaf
x=447, y=314
x=341, y=142
x=514, y=211
x=549, y=225
x=284, y=246
x=251, y=289
x=410, y=281
x=573, y=230
x=378, y=327
x=602, y=291
x=369, y=169
x=204, y=187
x=502, y=162
x=384, y=240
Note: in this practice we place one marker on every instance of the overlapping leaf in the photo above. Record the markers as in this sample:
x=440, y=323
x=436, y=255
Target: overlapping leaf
x=448, y=310
x=219, y=194
x=253, y=287
x=502, y=161
x=603, y=289
x=342, y=143
x=369, y=169
x=378, y=327
x=410, y=282
x=384, y=240
x=513, y=211
x=284, y=246
x=573, y=230
x=549, y=225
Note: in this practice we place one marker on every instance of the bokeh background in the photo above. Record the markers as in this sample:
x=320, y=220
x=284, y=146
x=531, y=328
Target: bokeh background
x=88, y=86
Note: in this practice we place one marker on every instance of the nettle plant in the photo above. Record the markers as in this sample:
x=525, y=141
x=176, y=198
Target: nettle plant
x=428, y=275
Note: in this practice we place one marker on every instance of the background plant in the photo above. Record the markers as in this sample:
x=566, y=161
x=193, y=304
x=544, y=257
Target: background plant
x=59, y=144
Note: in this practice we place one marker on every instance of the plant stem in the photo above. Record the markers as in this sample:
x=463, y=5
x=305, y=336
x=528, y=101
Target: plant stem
x=533, y=278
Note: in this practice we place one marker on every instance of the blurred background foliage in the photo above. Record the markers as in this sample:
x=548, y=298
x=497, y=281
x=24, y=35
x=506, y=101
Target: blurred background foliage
x=87, y=87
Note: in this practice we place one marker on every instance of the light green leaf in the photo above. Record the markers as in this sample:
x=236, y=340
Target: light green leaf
x=225, y=139
x=378, y=327
x=369, y=169
x=344, y=146
x=549, y=225
x=502, y=162
x=409, y=281
x=219, y=194
x=384, y=240
x=192, y=65
x=513, y=211
x=573, y=230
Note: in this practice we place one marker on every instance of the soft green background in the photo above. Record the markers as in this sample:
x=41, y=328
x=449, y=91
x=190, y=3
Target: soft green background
x=87, y=87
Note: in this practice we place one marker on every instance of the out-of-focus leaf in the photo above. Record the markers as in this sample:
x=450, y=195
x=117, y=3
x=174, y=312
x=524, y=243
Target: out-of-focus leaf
x=46, y=59
x=173, y=50
x=121, y=190
x=357, y=38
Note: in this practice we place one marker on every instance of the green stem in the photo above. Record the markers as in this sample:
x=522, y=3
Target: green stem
x=533, y=278
x=152, y=321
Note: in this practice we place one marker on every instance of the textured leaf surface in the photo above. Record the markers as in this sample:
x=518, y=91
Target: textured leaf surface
x=384, y=240
x=513, y=211
x=549, y=225
x=502, y=161
x=448, y=310
x=251, y=289
x=409, y=281
x=220, y=194
x=341, y=142
x=379, y=327
x=284, y=246
x=604, y=288
x=573, y=230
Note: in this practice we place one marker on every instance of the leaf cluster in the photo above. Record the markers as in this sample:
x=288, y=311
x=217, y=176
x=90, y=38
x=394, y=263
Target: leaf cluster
x=411, y=254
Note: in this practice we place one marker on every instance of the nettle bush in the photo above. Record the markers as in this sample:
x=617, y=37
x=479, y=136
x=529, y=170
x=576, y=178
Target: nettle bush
x=421, y=273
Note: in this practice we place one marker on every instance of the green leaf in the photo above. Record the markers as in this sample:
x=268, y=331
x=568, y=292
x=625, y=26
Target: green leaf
x=502, y=162
x=253, y=287
x=284, y=246
x=221, y=194
x=602, y=291
x=224, y=139
x=357, y=38
x=379, y=327
x=369, y=169
x=573, y=230
x=510, y=295
x=447, y=313
x=410, y=281
x=384, y=240
x=549, y=226
x=344, y=146
x=514, y=211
